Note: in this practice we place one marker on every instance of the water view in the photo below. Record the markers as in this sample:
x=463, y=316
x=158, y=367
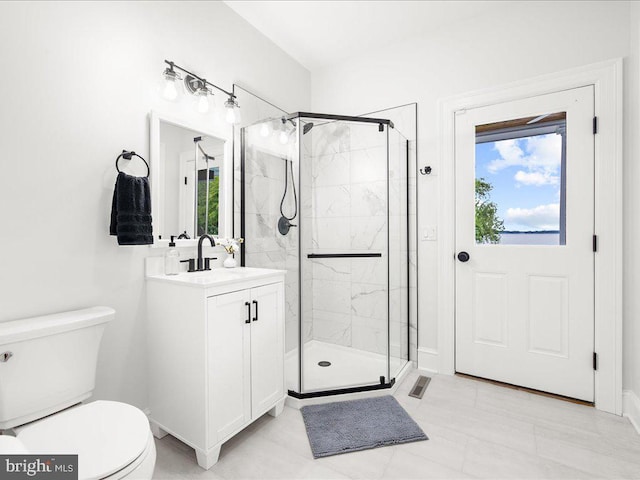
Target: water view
x=529, y=238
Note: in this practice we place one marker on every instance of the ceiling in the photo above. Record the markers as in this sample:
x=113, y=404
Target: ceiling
x=318, y=33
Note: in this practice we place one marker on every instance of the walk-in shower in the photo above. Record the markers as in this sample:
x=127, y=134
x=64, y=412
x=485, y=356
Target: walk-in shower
x=325, y=197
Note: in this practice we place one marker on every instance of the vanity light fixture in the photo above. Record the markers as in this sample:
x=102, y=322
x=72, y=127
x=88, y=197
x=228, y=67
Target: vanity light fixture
x=233, y=110
x=203, y=101
x=170, y=91
x=199, y=87
x=264, y=130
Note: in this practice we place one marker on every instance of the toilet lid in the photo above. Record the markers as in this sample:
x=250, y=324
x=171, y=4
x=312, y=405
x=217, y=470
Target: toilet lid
x=107, y=436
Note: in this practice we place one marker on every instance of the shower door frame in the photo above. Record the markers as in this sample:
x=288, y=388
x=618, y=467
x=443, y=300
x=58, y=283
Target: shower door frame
x=388, y=381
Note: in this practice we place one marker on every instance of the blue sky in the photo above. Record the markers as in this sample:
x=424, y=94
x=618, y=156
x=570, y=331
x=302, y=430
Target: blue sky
x=525, y=174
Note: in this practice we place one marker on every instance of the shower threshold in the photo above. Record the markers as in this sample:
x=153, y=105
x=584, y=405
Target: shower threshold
x=351, y=371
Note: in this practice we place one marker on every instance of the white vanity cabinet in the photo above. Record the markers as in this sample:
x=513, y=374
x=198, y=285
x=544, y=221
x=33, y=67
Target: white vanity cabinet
x=216, y=354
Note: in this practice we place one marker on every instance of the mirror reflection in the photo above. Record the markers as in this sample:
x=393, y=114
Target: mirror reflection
x=191, y=182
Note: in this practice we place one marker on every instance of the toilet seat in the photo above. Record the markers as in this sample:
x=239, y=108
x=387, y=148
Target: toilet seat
x=11, y=446
x=106, y=436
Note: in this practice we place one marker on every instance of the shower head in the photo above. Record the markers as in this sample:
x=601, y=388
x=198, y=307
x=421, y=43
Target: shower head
x=307, y=127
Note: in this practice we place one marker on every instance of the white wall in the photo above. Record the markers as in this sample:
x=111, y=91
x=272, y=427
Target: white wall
x=631, y=193
x=78, y=82
x=525, y=40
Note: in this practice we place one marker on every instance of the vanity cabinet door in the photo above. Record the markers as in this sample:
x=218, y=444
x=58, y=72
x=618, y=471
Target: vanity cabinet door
x=267, y=347
x=229, y=365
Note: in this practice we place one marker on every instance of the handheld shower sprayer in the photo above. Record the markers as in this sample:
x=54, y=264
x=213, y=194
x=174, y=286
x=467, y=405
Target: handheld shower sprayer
x=284, y=223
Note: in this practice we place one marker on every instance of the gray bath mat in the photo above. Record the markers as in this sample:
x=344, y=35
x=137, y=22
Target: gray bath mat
x=342, y=427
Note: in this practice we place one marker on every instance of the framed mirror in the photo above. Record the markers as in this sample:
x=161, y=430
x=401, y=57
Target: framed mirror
x=191, y=181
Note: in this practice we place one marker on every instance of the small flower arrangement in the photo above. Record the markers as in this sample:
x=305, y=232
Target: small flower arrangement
x=231, y=245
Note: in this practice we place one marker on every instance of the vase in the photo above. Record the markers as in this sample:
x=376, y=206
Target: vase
x=230, y=262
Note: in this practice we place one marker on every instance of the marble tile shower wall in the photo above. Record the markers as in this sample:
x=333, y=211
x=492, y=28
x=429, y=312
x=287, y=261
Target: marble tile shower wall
x=347, y=212
x=264, y=178
x=342, y=196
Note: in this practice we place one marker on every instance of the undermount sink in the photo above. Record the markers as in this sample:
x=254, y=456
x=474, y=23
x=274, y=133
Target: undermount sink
x=214, y=276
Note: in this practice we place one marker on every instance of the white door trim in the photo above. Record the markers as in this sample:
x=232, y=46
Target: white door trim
x=607, y=79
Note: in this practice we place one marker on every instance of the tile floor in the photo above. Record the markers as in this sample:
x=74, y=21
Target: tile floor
x=476, y=430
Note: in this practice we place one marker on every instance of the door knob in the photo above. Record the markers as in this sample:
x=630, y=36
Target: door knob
x=463, y=257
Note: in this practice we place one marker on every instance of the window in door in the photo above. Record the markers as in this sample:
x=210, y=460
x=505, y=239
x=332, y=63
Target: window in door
x=520, y=181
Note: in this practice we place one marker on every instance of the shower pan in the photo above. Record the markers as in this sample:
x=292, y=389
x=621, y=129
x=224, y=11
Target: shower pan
x=325, y=197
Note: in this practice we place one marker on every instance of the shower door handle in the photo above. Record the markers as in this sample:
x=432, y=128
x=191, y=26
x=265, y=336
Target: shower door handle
x=248, y=305
x=255, y=319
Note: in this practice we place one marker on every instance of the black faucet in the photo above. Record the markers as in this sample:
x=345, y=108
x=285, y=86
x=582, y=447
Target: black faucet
x=199, y=267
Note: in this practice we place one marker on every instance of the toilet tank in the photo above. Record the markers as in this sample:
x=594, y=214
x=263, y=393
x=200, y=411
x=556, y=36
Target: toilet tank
x=48, y=363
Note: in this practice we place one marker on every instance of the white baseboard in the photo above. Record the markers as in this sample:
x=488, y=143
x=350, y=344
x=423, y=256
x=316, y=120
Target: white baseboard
x=428, y=360
x=631, y=408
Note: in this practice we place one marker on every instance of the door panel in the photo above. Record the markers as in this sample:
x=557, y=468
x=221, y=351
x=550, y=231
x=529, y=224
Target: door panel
x=228, y=350
x=490, y=309
x=548, y=315
x=524, y=213
x=267, y=348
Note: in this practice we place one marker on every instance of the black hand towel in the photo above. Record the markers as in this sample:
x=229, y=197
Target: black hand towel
x=131, y=211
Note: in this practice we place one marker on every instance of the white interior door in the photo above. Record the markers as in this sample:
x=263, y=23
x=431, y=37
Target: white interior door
x=524, y=242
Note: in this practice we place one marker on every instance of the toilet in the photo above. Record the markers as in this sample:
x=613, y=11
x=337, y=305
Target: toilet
x=47, y=367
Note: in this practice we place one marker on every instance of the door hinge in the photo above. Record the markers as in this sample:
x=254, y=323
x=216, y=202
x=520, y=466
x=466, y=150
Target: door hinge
x=595, y=125
x=595, y=361
x=595, y=243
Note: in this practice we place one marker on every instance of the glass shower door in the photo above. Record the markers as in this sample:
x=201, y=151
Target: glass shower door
x=344, y=254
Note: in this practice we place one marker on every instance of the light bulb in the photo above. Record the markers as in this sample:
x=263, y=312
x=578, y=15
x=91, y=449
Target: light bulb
x=233, y=111
x=264, y=130
x=284, y=137
x=231, y=117
x=203, y=102
x=170, y=91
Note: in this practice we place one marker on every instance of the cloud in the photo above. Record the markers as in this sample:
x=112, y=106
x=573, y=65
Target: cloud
x=542, y=217
x=536, y=178
x=539, y=157
x=510, y=154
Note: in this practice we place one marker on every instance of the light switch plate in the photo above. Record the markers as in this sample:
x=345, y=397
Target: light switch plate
x=430, y=233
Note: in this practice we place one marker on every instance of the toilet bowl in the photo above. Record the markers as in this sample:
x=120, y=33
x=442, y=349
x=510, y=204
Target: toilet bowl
x=53, y=359
x=112, y=440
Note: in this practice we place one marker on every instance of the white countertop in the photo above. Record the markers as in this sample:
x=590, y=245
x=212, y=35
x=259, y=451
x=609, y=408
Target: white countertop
x=217, y=276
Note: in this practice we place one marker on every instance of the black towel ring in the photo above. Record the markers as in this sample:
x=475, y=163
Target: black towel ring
x=128, y=156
